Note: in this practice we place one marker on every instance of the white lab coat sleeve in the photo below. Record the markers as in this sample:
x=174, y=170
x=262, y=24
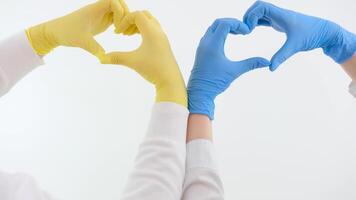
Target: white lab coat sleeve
x=19, y=186
x=352, y=89
x=159, y=167
x=160, y=164
x=202, y=179
x=17, y=58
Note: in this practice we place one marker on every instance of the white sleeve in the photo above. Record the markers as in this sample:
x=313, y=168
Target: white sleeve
x=17, y=58
x=20, y=187
x=352, y=89
x=160, y=164
x=202, y=180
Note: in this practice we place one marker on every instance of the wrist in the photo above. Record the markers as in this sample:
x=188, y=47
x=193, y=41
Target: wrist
x=41, y=41
x=199, y=127
x=350, y=68
x=201, y=103
x=172, y=92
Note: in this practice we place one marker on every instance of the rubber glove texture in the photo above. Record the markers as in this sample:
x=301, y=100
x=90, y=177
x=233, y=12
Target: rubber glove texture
x=213, y=72
x=78, y=28
x=153, y=60
x=303, y=32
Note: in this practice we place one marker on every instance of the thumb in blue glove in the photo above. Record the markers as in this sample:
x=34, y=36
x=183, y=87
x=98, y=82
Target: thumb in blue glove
x=304, y=33
x=213, y=73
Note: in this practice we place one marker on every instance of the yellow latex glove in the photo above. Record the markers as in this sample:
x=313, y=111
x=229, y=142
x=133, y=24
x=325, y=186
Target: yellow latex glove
x=153, y=60
x=78, y=28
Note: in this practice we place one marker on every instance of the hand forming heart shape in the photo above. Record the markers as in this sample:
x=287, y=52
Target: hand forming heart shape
x=304, y=33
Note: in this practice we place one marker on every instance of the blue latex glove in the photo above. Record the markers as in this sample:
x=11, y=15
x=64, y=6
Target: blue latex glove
x=304, y=33
x=213, y=72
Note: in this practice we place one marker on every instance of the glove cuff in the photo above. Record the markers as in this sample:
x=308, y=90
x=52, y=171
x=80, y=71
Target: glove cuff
x=201, y=104
x=176, y=93
x=40, y=41
x=344, y=48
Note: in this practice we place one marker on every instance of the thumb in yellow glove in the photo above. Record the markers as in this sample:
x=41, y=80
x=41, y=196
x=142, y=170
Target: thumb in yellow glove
x=78, y=28
x=153, y=60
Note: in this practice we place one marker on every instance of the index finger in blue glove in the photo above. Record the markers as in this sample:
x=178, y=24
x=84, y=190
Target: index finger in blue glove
x=252, y=17
x=220, y=34
x=226, y=26
x=246, y=16
x=236, y=26
x=258, y=14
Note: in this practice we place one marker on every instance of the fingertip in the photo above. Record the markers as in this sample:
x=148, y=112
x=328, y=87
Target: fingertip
x=252, y=22
x=244, y=29
x=240, y=28
x=117, y=31
x=214, y=25
x=123, y=28
x=118, y=11
x=130, y=30
x=245, y=18
x=126, y=22
x=135, y=31
x=105, y=59
x=273, y=66
x=125, y=7
x=222, y=30
x=260, y=62
x=148, y=14
x=265, y=62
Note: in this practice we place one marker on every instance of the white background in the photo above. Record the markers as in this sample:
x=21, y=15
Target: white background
x=75, y=125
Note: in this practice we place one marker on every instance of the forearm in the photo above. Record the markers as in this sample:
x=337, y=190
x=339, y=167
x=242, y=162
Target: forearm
x=17, y=58
x=15, y=186
x=199, y=127
x=160, y=164
x=350, y=68
x=202, y=180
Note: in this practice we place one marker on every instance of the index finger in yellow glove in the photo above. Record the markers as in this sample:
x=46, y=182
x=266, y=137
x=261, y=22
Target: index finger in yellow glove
x=153, y=60
x=117, y=21
x=120, y=10
x=137, y=18
x=78, y=28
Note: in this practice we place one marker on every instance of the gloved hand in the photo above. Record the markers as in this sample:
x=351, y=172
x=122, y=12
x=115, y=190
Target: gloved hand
x=304, y=33
x=78, y=28
x=153, y=60
x=213, y=73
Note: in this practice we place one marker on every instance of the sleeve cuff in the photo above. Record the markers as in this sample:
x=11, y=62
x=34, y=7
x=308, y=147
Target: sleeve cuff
x=167, y=120
x=17, y=58
x=201, y=154
x=352, y=89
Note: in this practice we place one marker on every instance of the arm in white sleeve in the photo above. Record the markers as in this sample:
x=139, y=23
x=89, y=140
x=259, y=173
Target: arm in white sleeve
x=159, y=169
x=17, y=58
x=20, y=187
x=160, y=164
x=352, y=89
x=202, y=180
